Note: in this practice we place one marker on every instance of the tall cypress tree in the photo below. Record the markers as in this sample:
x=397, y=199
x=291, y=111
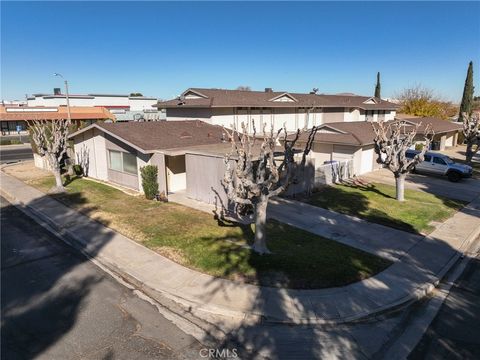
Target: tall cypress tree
x=377, y=87
x=467, y=98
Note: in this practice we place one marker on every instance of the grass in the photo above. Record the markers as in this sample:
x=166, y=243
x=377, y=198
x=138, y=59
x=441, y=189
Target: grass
x=376, y=203
x=10, y=142
x=195, y=239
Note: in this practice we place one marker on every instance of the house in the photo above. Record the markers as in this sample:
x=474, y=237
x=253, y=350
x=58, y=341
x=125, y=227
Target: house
x=341, y=141
x=295, y=110
x=13, y=119
x=189, y=154
x=115, y=152
x=125, y=107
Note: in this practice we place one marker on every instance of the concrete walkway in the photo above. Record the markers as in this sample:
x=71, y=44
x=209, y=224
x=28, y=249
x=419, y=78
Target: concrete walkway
x=376, y=239
x=410, y=277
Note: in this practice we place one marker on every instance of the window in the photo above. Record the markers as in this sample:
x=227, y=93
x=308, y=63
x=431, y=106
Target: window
x=122, y=161
x=427, y=158
x=115, y=160
x=438, y=160
x=129, y=163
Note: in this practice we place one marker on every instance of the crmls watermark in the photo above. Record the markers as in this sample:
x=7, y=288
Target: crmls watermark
x=218, y=353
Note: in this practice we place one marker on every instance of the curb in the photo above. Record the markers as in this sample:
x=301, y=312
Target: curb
x=201, y=310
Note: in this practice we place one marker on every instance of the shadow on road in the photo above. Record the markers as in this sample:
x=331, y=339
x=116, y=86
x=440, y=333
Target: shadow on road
x=36, y=316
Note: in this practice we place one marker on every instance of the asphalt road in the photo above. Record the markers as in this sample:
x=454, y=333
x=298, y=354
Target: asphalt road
x=13, y=153
x=455, y=331
x=58, y=305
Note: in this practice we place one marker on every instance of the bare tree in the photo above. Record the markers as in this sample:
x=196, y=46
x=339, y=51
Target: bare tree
x=50, y=138
x=471, y=130
x=244, y=88
x=392, y=140
x=256, y=172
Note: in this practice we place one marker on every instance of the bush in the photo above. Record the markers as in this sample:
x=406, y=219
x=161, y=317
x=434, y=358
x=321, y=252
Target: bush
x=419, y=146
x=149, y=181
x=78, y=170
x=10, y=142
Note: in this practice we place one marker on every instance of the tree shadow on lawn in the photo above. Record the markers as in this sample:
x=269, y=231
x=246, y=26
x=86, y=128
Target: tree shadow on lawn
x=357, y=204
x=273, y=273
x=276, y=340
x=43, y=290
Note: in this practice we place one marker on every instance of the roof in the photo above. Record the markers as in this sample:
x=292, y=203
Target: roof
x=150, y=136
x=26, y=113
x=90, y=96
x=209, y=98
x=359, y=133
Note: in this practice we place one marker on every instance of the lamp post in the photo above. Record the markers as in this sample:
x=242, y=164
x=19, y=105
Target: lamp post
x=66, y=94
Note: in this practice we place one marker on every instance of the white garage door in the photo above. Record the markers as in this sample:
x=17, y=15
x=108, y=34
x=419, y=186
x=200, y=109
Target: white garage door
x=367, y=161
x=341, y=152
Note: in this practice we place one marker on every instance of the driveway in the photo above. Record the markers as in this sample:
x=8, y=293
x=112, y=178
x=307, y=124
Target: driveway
x=465, y=190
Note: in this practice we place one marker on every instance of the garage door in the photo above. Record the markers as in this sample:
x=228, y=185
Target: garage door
x=367, y=161
x=341, y=152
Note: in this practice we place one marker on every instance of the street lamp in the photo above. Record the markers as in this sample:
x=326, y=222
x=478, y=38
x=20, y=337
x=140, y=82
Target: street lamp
x=66, y=93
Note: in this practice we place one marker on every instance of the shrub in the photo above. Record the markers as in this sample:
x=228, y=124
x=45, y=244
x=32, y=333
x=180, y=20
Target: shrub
x=10, y=142
x=419, y=146
x=78, y=170
x=149, y=181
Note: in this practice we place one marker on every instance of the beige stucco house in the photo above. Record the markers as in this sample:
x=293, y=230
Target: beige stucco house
x=295, y=110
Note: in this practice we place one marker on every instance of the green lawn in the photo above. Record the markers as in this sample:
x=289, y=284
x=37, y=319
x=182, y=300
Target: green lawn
x=376, y=203
x=195, y=239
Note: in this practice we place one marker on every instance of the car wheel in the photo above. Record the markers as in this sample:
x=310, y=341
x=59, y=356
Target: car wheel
x=454, y=176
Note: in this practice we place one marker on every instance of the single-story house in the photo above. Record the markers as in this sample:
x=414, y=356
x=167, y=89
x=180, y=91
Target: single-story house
x=342, y=141
x=13, y=119
x=190, y=156
x=115, y=152
x=295, y=110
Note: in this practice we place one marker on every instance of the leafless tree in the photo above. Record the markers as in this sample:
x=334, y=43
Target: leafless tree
x=244, y=88
x=50, y=138
x=471, y=130
x=256, y=171
x=392, y=140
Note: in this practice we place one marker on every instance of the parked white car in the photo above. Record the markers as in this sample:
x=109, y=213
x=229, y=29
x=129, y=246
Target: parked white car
x=440, y=164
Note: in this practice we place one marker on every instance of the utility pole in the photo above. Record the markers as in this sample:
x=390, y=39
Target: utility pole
x=67, y=97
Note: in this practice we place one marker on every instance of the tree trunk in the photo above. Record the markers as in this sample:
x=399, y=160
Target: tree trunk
x=58, y=188
x=260, y=243
x=400, y=185
x=469, y=152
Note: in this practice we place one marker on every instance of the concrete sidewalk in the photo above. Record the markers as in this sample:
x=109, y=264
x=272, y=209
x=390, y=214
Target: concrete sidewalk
x=374, y=238
x=410, y=277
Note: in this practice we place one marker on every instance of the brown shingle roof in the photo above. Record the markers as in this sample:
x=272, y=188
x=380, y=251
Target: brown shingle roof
x=162, y=135
x=360, y=133
x=241, y=98
x=36, y=113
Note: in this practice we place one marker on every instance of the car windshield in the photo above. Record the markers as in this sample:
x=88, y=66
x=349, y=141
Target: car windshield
x=448, y=160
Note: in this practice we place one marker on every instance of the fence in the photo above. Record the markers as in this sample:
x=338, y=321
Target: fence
x=334, y=172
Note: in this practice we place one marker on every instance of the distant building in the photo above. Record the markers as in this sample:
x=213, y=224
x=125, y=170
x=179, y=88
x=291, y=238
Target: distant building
x=124, y=107
x=14, y=119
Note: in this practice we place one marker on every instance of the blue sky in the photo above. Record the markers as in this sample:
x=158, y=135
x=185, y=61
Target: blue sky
x=162, y=48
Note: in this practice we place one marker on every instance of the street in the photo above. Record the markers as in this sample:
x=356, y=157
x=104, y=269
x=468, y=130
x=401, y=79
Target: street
x=13, y=153
x=455, y=331
x=58, y=305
